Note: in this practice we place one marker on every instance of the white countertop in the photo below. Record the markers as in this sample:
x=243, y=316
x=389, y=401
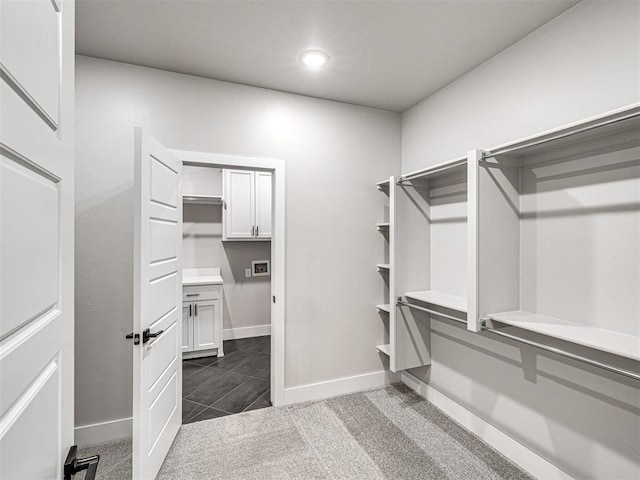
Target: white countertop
x=201, y=276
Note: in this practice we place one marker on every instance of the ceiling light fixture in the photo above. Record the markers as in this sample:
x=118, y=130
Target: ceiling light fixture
x=314, y=58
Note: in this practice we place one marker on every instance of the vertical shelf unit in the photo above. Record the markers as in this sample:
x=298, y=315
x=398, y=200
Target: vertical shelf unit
x=555, y=235
x=384, y=309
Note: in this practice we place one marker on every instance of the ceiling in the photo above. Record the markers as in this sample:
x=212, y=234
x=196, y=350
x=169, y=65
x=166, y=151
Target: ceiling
x=382, y=54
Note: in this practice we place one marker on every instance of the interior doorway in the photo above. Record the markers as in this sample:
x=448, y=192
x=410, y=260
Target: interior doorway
x=245, y=369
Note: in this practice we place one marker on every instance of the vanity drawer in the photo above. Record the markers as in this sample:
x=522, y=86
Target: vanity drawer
x=200, y=292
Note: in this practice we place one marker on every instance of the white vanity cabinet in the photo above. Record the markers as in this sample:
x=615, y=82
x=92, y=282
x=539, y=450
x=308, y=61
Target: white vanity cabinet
x=247, y=205
x=202, y=304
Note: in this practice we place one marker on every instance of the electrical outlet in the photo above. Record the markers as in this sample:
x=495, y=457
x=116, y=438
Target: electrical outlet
x=247, y=272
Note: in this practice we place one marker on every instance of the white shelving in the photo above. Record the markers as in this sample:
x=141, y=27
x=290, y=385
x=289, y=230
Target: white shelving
x=384, y=308
x=202, y=199
x=383, y=186
x=445, y=168
x=598, y=338
x=440, y=299
x=382, y=227
x=383, y=267
x=386, y=349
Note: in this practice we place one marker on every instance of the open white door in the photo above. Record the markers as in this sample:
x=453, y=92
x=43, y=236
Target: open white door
x=36, y=237
x=157, y=328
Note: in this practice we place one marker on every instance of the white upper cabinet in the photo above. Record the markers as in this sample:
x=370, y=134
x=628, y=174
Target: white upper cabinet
x=247, y=212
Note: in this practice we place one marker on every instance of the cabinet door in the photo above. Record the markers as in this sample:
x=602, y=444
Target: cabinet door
x=263, y=204
x=239, y=195
x=187, y=327
x=206, y=316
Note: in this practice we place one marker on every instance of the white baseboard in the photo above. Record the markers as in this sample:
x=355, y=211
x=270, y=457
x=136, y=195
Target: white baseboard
x=103, y=432
x=513, y=450
x=246, y=332
x=341, y=386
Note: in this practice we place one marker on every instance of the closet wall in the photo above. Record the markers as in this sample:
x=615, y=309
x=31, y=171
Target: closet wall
x=334, y=155
x=246, y=300
x=585, y=62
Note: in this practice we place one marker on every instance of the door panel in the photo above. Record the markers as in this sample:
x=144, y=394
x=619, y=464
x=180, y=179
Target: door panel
x=239, y=197
x=204, y=325
x=157, y=375
x=36, y=237
x=263, y=204
x=30, y=264
x=29, y=56
x=38, y=411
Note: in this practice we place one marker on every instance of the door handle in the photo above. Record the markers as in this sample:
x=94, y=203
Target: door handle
x=135, y=337
x=195, y=305
x=147, y=335
x=190, y=305
x=253, y=229
x=73, y=465
x=257, y=230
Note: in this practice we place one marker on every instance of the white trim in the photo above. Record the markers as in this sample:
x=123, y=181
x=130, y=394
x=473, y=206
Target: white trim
x=103, y=432
x=277, y=167
x=246, y=332
x=516, y=452
x=341, y=386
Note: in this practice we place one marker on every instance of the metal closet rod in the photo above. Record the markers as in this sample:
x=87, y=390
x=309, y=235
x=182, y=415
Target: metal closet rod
x=564, y=353
x=428, y=310
x=431, y=170
x=503, y=151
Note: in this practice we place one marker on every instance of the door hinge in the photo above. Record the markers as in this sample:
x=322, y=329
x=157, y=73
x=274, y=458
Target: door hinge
x=136, y=338
x=73, y=465
x=274, y=299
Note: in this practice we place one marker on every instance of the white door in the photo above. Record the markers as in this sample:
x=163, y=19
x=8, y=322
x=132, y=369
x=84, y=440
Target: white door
x=204, y=325
x=263, y=204
x=36, y=237
x=239, y=204
x=187, y=327
x=157, y=361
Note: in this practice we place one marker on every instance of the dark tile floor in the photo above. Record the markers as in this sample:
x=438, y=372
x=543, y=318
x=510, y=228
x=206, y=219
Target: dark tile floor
x=238, y=382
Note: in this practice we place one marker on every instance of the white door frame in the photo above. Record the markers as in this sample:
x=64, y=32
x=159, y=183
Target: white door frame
x=277, y=167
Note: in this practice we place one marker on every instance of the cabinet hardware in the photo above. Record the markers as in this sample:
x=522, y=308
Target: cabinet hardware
x=73, y=465
x=190, y=306
x=193, y=294
x=147, y=335
x=135, y=337
x=257, y=230
x=196, y=308
x=253, y=228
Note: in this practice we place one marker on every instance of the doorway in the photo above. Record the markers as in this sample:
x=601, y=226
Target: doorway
x=247, y=372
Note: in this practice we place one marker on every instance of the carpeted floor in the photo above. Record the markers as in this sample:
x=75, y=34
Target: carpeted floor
x=385, y=433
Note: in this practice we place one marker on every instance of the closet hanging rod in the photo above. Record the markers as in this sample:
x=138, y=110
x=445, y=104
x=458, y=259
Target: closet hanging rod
x=502, y=151
x=431, y=170
x=428, y=310
x=564, y=353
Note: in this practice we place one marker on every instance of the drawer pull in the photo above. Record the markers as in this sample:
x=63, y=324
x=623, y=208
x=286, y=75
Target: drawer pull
x=193, y=294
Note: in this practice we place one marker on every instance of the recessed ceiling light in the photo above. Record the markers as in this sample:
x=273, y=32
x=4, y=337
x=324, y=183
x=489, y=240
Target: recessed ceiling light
x=314, y=58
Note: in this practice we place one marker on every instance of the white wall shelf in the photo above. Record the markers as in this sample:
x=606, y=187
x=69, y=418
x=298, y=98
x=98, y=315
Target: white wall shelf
x=446, y=168
x=384, y=308
x=386, y=349
x=202, y=199
x=439, y=299
x=606, y=340
x=549, y=234
x=382, y=227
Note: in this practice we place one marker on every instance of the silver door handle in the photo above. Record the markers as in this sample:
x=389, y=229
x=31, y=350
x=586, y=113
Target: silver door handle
x=193, y=294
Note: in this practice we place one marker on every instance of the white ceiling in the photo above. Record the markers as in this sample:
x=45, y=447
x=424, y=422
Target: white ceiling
x=383, y=54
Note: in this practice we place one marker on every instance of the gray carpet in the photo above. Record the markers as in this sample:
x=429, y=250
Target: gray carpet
x=384, y=433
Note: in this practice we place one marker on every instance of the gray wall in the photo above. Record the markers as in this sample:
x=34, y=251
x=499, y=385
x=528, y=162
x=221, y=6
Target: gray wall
x=246, y=300
x=583, y=63
x=334, y=154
